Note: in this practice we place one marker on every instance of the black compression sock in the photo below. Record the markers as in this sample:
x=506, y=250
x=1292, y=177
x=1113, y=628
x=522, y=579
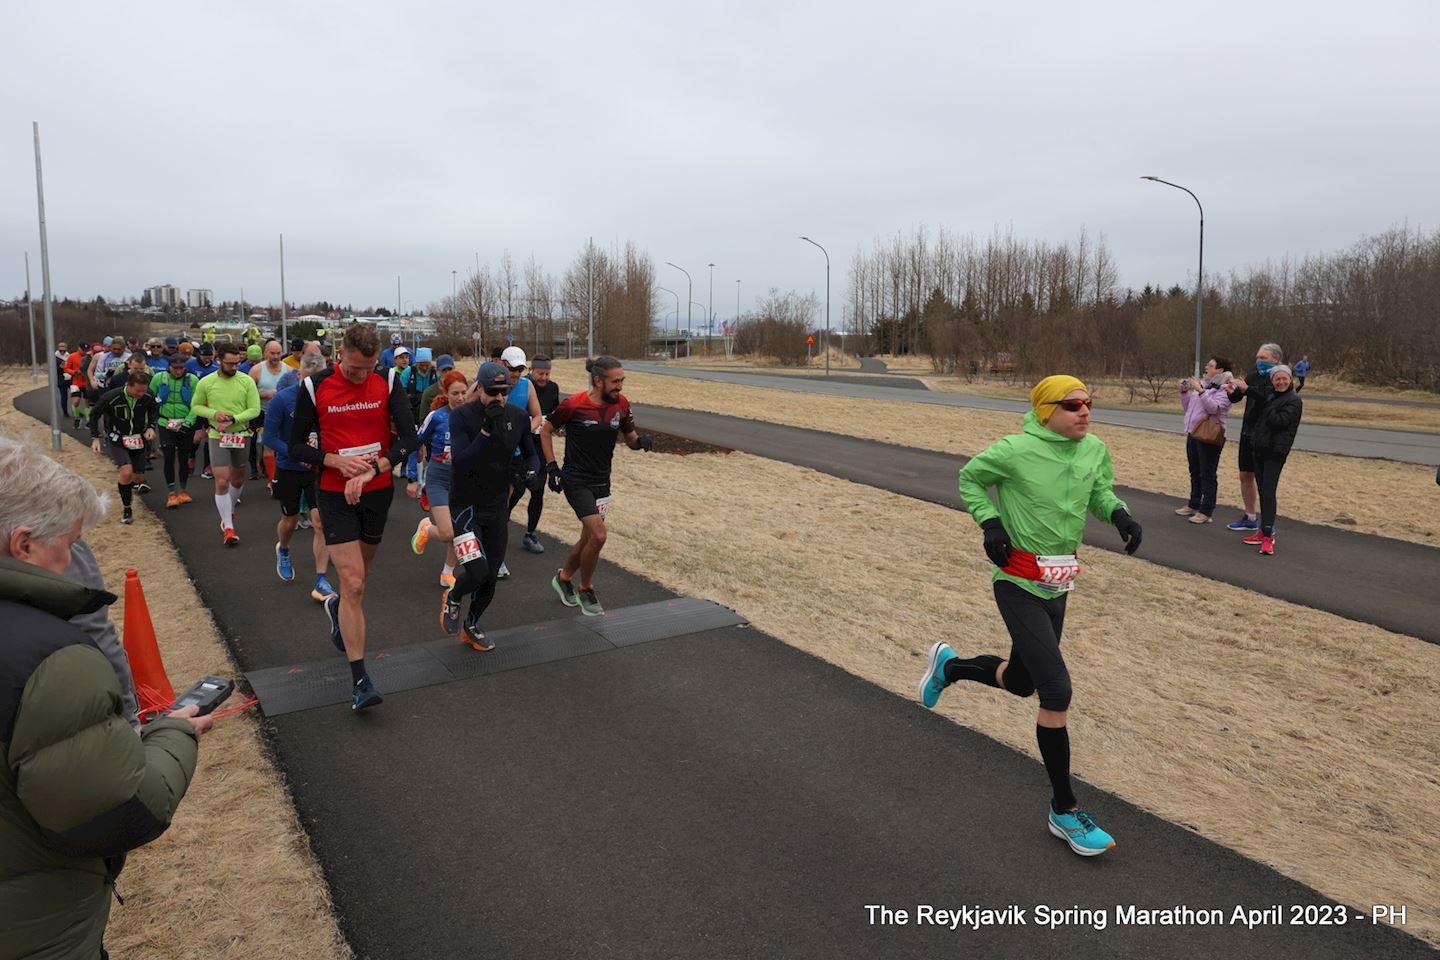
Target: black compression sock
x=124, y=489
x=357, y=670
x=980, y=669
x=1055, y=751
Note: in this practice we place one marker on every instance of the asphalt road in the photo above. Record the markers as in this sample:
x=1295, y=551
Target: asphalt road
x=720, y=795
x=1351, y=574
x=1401, y=446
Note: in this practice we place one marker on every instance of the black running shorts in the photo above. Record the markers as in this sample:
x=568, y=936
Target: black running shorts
x=1247, y=455
x=364, y=521
x=582, y=498
x=290, y=484
x=120, y=456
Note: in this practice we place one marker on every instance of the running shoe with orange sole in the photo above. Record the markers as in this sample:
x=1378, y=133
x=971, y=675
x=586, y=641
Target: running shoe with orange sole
x=421, y=537
x=474, y=637
x=172, y=501
x=231, y=537
x=183, y=497
x=450, y=614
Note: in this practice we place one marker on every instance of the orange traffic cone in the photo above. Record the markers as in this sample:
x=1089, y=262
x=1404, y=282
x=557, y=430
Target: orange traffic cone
x=152, y=686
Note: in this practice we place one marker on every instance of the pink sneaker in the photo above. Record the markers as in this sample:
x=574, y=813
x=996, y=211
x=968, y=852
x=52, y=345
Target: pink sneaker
x=1255, y=538
x=1267, y=546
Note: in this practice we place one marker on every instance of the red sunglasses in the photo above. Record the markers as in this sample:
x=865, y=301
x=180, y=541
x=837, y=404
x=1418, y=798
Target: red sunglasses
x=1074, y=405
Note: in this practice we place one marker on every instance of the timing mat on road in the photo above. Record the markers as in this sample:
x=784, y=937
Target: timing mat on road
x=322, y=683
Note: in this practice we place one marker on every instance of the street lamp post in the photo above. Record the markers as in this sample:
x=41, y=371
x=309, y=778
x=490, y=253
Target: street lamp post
x=827, y=302
x=677, y=319
x=30, y=306
x=454, y=297
x=689, y=292
x=735, y=324
x=710, y=314
x=1200, y=277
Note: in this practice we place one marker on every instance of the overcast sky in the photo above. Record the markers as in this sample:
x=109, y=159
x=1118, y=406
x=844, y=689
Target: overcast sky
x=403, y=138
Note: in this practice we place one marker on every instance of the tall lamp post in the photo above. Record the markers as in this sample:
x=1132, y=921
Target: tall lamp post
x=710, y=315
x=827, y=302
x=1200, y=277
x=677, y=319
x=689, y=292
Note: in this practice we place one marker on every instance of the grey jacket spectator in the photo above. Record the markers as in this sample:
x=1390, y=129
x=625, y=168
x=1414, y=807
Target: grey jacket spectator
x=84, y=569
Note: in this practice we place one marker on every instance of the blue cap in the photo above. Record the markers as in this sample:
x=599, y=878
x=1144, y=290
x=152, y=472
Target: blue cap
x=444, y=362
x=493, y=374
x=424, y=355
x=171, y=343
x=108, y=341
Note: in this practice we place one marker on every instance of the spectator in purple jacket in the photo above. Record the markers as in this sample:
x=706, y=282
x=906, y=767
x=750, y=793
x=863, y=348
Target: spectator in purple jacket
x=1204, y=399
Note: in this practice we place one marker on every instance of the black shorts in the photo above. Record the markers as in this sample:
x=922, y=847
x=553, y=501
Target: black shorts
x=582, y=497
x=119, y=456
x=1247, y=455
x=290, y=484
x=364, y=521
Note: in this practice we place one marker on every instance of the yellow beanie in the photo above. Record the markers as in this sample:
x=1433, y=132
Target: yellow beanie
x=1052, y=390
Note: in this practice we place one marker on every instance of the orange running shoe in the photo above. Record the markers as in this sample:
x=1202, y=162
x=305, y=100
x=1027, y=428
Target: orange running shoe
x=183, y=497
x=422, y=536
x=172, y=501
x=231, y=537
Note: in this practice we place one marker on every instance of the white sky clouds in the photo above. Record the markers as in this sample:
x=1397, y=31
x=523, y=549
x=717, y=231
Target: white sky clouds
x=180, y=139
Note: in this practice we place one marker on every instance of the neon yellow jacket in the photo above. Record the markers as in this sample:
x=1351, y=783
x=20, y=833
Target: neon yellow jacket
x=1044, y=484
x=237, y=396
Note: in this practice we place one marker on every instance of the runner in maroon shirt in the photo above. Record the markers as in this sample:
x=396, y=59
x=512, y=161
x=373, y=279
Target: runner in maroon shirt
x=593, y=421
x=355, y=425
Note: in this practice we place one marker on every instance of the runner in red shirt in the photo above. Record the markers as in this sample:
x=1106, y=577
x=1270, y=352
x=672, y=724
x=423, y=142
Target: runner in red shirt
x=593, y=422
x=355, y=425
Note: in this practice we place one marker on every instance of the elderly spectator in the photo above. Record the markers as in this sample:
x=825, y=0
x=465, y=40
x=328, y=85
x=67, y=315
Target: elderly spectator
x=1271, y=441
x=1254, y=390
x=1206, y=406
x=78, y=787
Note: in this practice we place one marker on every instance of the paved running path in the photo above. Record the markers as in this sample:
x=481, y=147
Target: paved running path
x=1354, y=575
x=1401, y=446
x=716, y=796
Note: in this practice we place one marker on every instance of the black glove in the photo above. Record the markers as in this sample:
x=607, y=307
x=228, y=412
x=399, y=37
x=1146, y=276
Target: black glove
x=997, y=542
x=1129, y=529
x=552, y=472
x=645, y=442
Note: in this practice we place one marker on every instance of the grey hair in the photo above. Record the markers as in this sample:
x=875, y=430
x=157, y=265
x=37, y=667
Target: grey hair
x=311, y=362
x=25, y=469
x=1274, y=350
x=1281, y=368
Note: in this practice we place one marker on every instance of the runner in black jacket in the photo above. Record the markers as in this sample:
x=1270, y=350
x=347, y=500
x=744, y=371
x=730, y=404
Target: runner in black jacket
x=127, y=416
x=484, y=433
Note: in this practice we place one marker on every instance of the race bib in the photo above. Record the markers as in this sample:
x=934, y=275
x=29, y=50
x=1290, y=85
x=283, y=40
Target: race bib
x=1058, y=572
x=603, y=505
x=313, y=440
x=234, y=441
x=365, y=450
x=133, y=442
x=174, y=426
x=443, y=456
x=467, y=548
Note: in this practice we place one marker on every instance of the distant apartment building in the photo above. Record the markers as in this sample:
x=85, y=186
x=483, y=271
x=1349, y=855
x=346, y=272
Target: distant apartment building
x=163, y=296
x=199, y=299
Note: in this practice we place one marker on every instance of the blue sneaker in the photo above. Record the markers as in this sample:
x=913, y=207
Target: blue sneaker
x=933, y=683
x=1244, y=523
x=323, y=589
x=332, y=610
x=365, y=695
x=284, y=569
x=1077, y=829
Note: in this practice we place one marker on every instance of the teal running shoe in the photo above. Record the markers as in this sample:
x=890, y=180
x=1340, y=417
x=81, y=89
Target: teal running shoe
x=1077, y=829
x=589, y=604
x=566, y=589
x=933, y=683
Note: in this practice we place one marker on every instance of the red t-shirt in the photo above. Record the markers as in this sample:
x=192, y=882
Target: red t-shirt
x=351, y=419
x=591, y=430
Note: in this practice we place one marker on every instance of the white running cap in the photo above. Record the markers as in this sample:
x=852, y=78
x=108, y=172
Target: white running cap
x=513, y=356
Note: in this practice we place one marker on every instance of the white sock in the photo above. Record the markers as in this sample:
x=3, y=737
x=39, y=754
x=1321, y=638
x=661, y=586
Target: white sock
x=234, y=495
x=1252, y=516
x=446, y=570
x=226, y=506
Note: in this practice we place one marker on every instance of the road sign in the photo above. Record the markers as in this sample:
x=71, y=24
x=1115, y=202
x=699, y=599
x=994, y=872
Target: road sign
x=809, y=341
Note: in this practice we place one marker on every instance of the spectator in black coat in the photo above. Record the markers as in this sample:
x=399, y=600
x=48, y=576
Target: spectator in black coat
x=1270, y=442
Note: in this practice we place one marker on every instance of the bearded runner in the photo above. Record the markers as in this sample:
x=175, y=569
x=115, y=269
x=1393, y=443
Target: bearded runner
x=229, y=400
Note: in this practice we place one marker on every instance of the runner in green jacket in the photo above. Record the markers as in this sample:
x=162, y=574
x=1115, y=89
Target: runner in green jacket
x=229, y=400
x=1046, y=479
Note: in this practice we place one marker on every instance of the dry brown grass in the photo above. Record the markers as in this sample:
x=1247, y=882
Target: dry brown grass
x=1392, y=499
x=233, y=876
x=1298, y=738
